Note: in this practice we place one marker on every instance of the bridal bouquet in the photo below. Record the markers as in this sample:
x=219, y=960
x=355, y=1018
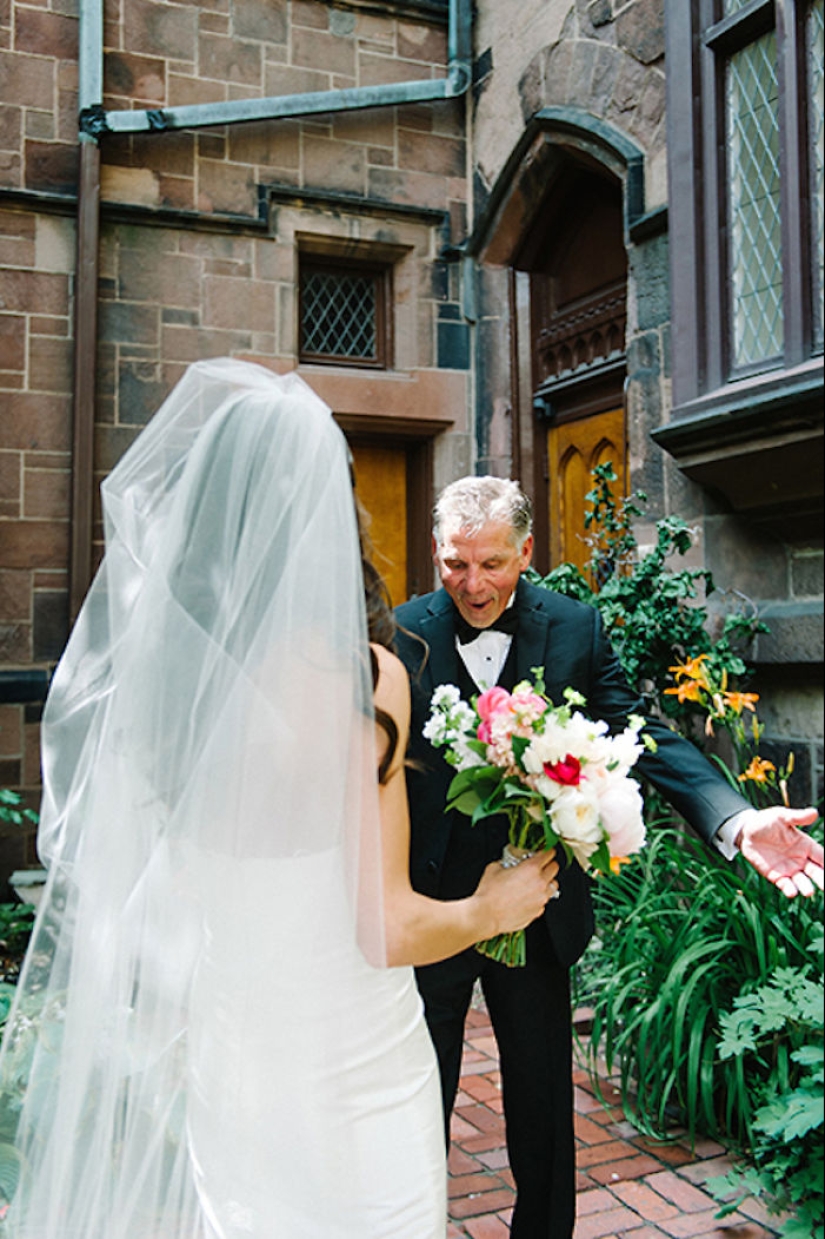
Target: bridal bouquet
x=558, y=777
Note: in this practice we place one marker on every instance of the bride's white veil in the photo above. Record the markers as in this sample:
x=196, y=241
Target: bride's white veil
x=208, y=823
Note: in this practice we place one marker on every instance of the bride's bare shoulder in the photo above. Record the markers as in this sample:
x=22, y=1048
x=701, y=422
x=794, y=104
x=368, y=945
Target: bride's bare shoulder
x=392, y=692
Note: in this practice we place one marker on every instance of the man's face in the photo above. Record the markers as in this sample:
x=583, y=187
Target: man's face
x=480, y=570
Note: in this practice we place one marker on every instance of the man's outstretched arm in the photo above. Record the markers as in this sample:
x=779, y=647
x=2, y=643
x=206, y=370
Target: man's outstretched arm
x=773, y=841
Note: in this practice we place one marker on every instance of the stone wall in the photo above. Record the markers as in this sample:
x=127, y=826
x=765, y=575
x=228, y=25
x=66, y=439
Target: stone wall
x=199, y=236
x=199, y=239
x=606, y=58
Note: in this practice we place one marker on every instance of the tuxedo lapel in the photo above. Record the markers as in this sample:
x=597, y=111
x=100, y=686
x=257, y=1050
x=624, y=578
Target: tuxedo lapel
x=438, y=630
x=531, y=643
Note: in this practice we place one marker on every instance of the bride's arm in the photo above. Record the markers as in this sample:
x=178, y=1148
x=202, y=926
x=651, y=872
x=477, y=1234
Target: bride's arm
x=420, y=930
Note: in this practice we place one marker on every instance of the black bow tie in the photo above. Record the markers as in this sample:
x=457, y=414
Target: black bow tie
x=506, y=622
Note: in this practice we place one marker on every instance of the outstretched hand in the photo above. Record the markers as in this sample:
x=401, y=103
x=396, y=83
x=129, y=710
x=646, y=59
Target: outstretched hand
x=772, y=841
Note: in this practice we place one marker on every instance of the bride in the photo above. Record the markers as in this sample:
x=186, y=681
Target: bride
x=217, y=1034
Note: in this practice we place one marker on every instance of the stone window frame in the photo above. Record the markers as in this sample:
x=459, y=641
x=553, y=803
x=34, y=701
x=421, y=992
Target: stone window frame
x=723, y=418
x=701, y=41
x=324, y=262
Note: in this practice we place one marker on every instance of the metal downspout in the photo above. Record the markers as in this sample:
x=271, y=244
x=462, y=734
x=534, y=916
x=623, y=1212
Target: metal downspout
x=94, y=121
x=90, y=89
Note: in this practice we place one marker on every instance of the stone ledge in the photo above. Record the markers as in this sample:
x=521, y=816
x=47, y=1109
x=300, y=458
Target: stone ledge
x=796, y=633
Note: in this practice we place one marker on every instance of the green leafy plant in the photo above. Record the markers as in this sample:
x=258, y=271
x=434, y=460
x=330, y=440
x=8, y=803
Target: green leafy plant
x=21, y=1041
x=780, y=1023
x=681, y=935
x=656, y=616
x=705, y=981
x=16, y=919
x=16, y=922
x=10, y=810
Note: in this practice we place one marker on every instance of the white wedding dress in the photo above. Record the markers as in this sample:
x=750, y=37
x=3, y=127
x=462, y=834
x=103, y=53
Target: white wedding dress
x=358, y=1145
x=205, y=1043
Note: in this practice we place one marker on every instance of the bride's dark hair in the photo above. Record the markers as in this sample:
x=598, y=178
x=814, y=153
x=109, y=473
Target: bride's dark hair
x=381, y=628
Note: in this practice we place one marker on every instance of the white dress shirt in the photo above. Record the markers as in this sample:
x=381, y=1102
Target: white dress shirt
x=485, y=657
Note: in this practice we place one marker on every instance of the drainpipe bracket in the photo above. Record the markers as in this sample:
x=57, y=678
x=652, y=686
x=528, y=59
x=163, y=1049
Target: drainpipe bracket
x=93, y=121
x=459, y=77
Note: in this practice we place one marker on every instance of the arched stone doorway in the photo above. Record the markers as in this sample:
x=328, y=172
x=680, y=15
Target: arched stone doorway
x=558, y=218
x=577, y=267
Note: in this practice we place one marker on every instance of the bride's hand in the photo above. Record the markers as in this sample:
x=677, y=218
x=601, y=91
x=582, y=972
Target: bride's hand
x=515, y=897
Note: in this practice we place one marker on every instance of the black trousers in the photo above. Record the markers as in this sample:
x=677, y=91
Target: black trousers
x=530, y=1012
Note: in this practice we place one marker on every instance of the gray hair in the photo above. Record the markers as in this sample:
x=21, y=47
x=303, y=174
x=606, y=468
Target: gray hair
x=469, y=503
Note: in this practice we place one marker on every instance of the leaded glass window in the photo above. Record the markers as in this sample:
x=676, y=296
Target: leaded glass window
x=754, y=218
x=815, y=49
x=745, y=210
x=343, y=313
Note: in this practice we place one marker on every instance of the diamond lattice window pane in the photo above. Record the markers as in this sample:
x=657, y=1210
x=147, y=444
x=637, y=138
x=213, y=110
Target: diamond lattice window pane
x=815, y=56
x=754, y=219
x=338, y=314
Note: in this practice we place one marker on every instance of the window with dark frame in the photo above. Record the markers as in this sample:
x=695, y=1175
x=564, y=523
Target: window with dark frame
x=344, y=312
x=749, y=108
x=815, y=59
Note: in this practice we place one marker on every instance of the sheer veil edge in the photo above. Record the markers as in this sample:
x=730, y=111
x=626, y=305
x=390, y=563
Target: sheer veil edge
x=209, y=824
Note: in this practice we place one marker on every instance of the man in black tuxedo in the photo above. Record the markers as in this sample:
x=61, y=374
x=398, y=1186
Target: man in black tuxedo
x=486, y=626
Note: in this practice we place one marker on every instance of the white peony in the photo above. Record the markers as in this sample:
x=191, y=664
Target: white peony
x=621, y=807
x=575, y=815
x=625, y=748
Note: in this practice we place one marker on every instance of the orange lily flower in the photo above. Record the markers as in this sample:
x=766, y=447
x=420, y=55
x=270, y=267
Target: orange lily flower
x=758, y=770
x=688, y=690
x=692, y=669
x=741, y=701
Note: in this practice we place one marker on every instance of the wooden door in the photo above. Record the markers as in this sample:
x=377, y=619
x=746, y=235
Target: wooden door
x=574, y=448
x=381, y=481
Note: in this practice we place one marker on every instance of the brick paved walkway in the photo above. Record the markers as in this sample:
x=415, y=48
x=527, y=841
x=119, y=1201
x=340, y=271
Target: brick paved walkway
x=628, y=1187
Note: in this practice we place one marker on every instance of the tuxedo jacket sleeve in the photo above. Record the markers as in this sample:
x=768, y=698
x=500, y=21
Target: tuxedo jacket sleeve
x=566, y=639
